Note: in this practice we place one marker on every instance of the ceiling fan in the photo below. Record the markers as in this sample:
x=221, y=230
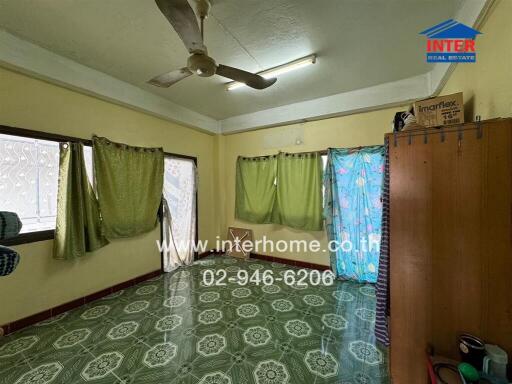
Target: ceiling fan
x=183, y=19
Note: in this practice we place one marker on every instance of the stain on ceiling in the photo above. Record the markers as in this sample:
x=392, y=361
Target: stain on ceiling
x=359, y=43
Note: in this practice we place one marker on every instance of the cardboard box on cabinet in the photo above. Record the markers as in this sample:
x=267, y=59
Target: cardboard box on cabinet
x=439, y=111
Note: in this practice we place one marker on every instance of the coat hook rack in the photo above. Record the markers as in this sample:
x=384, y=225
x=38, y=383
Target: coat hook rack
x=479, y=132
x=460, y=135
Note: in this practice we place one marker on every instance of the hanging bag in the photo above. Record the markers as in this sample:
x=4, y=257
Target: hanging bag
x=10, y=226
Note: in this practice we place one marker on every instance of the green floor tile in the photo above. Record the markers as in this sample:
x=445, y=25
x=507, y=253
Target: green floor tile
x=175, y=329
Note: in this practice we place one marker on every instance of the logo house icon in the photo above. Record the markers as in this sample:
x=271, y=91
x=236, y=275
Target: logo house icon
x=451, y=42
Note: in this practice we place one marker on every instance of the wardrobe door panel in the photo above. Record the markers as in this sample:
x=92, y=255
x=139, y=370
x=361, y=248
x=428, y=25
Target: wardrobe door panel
x=456, y=272
x=451, y=242
x=444, y=243
x=411, y=223
x=467, y=273
x=497, y=227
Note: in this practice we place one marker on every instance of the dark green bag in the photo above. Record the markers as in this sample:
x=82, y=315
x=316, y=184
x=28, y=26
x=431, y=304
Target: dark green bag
x=10, y=226
x=9, y=260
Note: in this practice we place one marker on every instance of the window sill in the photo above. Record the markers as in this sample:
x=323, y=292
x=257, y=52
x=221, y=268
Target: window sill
x=31, y=237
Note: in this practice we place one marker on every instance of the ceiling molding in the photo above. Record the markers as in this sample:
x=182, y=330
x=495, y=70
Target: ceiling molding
x=362, y=100
x=38, y=62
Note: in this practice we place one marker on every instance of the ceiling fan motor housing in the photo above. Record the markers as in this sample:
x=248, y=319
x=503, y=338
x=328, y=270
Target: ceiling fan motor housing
x=201, y=64
x=203, y=8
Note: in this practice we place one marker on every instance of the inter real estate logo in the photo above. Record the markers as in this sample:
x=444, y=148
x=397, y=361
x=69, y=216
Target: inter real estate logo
x=451, y=42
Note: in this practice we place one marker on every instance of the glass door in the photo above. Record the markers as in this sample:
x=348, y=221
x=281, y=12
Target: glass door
x=179, y=212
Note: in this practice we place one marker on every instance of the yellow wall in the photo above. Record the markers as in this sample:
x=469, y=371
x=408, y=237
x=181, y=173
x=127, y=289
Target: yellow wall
x=487, y=85
x=41, y=282
x=348, y=131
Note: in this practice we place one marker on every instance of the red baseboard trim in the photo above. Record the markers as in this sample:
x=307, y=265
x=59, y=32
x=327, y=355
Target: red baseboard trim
x=259, y=256
x=294, y=263
x=209, y=253
x=36, y=318
x=33, y=319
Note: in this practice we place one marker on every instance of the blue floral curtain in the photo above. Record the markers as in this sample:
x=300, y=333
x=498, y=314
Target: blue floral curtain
x=353, y=211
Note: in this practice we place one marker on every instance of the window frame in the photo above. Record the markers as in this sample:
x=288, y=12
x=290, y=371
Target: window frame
x=32, y=237
x=49, y=234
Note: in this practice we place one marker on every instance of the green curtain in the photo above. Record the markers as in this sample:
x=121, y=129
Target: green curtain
x=255, y=188
x=78, y=227
x=129, y=182
x=299, y=191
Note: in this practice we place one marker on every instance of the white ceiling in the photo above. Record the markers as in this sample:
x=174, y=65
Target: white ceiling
x=359, y=43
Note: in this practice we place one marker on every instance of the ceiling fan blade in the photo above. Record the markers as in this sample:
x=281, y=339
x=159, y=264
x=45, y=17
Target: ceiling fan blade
x=165, y=80
x=183, y=19
x=250, y=79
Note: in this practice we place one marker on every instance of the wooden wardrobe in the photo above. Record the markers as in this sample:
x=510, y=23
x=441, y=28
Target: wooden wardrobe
x=451, y=241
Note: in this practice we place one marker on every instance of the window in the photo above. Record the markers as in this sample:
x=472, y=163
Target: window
x=29, y=171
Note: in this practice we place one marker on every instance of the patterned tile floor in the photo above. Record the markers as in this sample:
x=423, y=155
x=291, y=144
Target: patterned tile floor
x=173, y=329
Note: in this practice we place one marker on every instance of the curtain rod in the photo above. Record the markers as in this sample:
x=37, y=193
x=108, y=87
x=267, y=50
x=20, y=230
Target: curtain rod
x=15, y=131
x=41, y=135
x=320, y=152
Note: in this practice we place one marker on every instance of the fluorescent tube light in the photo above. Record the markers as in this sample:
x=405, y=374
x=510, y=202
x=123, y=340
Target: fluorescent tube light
x=276, y=71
